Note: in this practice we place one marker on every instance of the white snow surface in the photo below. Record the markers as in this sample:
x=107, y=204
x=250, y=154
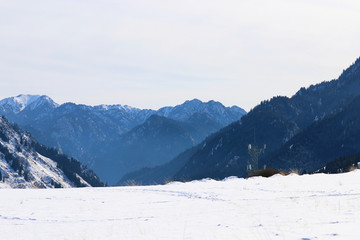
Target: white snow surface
x=281, y=207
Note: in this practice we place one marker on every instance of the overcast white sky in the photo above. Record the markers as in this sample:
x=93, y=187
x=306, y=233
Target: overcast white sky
x=149, y=54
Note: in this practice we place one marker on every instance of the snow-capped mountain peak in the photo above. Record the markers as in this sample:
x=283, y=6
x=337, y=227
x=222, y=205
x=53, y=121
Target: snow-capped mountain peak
x=22, y=101
x=25, y=100
x=18, y=103
x=40, y=101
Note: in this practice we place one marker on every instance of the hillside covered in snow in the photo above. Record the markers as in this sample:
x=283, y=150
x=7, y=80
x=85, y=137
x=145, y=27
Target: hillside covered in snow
x=24, y=163
x=307, y=207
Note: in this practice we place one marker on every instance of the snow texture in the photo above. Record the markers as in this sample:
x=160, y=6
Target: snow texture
x=42, y=172
x=281, y=207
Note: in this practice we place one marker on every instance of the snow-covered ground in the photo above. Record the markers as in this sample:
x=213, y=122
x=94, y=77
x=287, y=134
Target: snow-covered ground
x=291, y=207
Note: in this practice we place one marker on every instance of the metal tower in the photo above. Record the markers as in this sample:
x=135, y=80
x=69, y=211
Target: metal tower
x=255, y=152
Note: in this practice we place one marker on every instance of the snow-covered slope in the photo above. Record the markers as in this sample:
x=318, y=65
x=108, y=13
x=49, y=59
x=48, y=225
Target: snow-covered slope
x=22, y=166
x=308, y=207
x=20, y=102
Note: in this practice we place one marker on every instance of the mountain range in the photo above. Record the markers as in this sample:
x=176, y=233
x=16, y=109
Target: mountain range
x=24, y=163
x=115, y=139
x=315, y=129
x=308, y=130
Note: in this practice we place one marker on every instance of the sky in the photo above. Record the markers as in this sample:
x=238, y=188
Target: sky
x=150, y=54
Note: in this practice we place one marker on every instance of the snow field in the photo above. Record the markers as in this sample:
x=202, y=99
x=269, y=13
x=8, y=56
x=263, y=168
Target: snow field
x=281, y=207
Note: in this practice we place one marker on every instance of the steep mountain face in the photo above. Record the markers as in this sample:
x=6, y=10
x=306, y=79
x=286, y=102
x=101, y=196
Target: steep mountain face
x=24, y=163
x=94, y=135
x=274, y=123
x=337, y=135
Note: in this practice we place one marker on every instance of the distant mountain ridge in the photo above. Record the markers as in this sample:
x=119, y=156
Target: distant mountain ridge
x=220, y=113
x=90, y=133
x=24, y=163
